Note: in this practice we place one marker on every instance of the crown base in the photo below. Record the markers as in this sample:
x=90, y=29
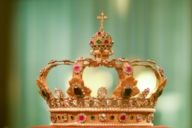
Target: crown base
x=104, y=125
x=102, y=116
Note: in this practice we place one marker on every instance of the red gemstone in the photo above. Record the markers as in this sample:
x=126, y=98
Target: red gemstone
x=99, y=33
x=53, y=119
x=106, y=42
x=129, y=69
x=91, y=43
x=77, y=68
x=81, y=118
x=122, y=117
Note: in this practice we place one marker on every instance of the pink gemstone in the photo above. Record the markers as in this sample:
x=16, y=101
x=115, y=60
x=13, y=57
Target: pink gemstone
x=138, y=118
x=53, y=119
x=76, y=68
x=81, y=118
x=128, y=69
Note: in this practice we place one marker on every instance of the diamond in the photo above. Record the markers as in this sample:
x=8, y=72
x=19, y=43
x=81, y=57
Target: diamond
x=102, y=117
x=138, y=118
x=102, y=92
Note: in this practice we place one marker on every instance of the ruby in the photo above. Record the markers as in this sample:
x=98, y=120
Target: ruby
x=106, y=42
x=53, y=119
x=81, y=118
x=129, y=69
x=122, y=117
x=91, y=43
x=99, y=33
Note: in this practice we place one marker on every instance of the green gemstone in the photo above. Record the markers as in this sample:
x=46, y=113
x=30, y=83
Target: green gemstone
x=98, y=42
x=44, y=93
x=160, y=92
x=72, y=117
x=126, y=92
x=112, y=117
x=131, y=117
x=78, y=92
x=92, y=117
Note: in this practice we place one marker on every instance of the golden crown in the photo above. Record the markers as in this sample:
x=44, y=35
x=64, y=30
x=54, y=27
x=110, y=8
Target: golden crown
x=129, y=105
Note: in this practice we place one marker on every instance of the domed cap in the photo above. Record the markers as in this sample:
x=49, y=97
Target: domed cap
x=101, y=42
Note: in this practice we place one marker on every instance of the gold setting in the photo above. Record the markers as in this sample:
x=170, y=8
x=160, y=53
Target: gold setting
x=126, y=107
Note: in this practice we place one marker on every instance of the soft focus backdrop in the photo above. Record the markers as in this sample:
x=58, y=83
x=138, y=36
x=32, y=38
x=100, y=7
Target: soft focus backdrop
x=38, y=31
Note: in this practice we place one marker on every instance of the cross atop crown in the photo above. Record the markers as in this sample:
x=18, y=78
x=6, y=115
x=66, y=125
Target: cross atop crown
x=102, y=18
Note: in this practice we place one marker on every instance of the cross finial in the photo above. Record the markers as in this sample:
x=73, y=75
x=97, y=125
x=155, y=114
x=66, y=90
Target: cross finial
x=102, y=18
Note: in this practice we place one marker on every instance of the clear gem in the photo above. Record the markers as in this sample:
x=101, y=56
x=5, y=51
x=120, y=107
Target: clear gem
x=102, y=92
x=58, y=93
x=138, y=118
x=102, y=117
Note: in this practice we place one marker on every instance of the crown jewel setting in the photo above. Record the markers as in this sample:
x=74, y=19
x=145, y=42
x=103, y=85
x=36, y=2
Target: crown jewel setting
x=128, y=105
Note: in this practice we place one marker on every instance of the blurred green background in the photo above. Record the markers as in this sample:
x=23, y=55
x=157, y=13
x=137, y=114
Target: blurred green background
x=37, y=31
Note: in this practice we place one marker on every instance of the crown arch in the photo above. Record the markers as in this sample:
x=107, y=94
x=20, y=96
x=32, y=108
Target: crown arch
x=44, y=89
x=126, y=86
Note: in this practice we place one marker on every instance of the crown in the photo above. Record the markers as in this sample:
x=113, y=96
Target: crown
x=131, y=103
